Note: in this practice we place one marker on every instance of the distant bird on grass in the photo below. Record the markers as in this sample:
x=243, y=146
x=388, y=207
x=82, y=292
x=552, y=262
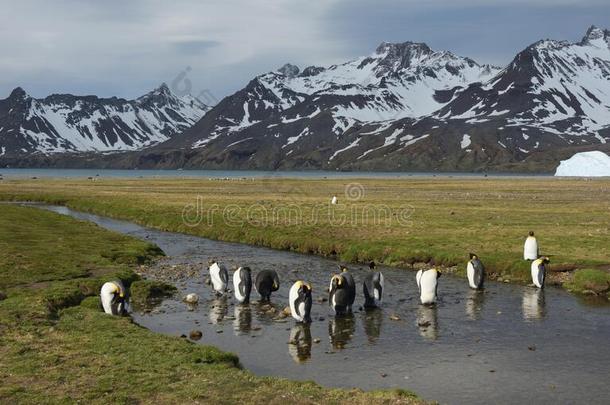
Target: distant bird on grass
x=531, y=251
x=113, y=296
x=334, y=200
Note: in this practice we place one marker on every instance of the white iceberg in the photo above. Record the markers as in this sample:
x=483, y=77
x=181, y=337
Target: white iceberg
x=585, y=164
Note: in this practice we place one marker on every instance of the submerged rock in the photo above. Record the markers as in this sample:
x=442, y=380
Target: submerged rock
x=195, y=334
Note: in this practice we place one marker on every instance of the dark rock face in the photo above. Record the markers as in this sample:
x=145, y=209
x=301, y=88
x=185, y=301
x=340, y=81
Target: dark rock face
x=406, y=107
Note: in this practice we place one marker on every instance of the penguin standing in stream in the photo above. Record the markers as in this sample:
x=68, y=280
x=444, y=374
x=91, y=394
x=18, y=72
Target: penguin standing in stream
x=242, y=284
x=373, y=287
x=427, y=282
x=475, y=272
x=531, y=251
x=266, y=282
x=539, y=271
x=300, y=301
x=220, y=277
x=342, y=292
x=113, y=296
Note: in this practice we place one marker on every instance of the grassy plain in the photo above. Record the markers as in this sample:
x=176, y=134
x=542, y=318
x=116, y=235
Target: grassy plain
x=398, y=222
x=56, y=346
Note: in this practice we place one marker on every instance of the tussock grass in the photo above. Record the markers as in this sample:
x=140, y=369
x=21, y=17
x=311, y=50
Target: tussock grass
x=444, y=218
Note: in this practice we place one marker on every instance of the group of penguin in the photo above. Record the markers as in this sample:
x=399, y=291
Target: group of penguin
x=342, y=288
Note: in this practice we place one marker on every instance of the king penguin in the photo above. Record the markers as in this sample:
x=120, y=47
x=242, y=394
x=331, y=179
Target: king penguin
x=427, y=282
x=300, y=301
x=242, y=284
x=530, y=249
x=113, y=296
x=342, y=292
x=539, y=271
x=476, y=272
x=373, y=287
x=266, y=282
x=220, y=277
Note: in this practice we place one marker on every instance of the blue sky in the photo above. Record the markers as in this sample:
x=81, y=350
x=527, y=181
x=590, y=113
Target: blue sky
x=126, y=48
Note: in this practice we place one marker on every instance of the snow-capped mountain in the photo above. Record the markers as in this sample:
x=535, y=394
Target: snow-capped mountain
x=406, y=107
x=67, y=123
x=396, y=81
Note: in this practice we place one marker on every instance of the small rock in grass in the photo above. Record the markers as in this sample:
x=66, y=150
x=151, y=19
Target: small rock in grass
x=195, y=334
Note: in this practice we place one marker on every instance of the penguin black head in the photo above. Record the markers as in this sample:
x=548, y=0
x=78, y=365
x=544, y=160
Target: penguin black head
x=438, y=273
x=473, y=256
x=247, y=269
x=531, y=233
x=305, y=289
x=212, y=261
x=545, y=260
x=372, y=265
x=336, y=281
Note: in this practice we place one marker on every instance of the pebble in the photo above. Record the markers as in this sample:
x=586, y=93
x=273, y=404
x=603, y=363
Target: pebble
x=383, y=375
x=321, y=318
x=316, y=340
x=195, y=334
x=394, y=317
x=219, y=331
x=532, y=348
x=424, y=324
x=191, y=298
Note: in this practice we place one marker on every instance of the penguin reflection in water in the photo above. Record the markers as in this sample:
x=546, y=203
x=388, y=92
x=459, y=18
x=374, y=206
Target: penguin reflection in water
x=373, y=288
x=300, y=301
x=533, y=304
x=427, y=322
x=427, y=282
x=342, y=292
x=539, y=271
x=242, y=324
x=113, y=296
x=341, y=330
x=299, y=345
x=242, y=284
x=372, y=321
x=219, y=309
x=219, y=277
x=266, y=282
x=474, y=304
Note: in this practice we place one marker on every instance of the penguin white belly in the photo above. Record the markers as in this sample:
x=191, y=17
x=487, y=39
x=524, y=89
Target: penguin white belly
x=236, y=281
x=428, y=282
x=106, y=295
x=217, y=282
x=377, y=293
x=530, y=249
x=418, y=279
x=292, y=297
x=301, y=312
x=537, y=274
x=470, y=274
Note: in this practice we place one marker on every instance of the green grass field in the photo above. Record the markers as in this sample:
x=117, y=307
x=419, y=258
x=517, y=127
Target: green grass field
x=56, y=346
x=398, y=222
